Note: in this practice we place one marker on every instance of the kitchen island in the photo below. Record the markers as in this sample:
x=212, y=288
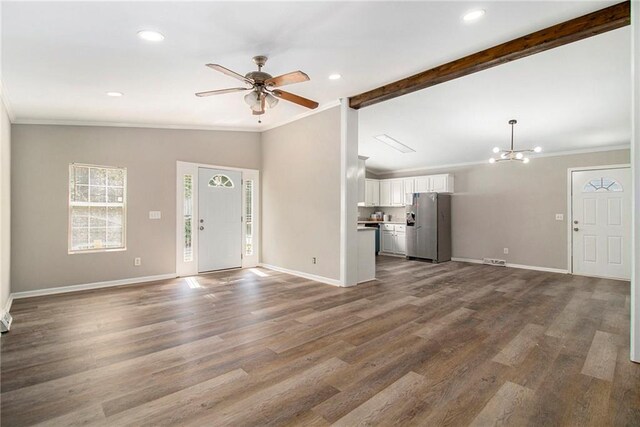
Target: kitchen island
x=366, y=254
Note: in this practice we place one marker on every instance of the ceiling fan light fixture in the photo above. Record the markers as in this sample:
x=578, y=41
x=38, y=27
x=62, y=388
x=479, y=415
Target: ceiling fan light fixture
x=252, y=99
x=272, y=101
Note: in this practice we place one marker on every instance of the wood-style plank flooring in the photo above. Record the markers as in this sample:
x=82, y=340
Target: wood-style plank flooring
x=448, y=344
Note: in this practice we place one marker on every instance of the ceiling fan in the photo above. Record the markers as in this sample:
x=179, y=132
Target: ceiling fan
x=264, y=92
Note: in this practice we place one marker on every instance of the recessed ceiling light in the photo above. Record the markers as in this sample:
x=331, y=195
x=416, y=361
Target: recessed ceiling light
x=114, y=94
x=150, y=36
x=473, y=15
x=394, y=144
x=334, y=76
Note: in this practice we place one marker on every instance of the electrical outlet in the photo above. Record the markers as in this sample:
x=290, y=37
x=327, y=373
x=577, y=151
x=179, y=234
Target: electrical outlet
x=506, y=250
x=137, y=262
x=559, y=217
x=314, y=260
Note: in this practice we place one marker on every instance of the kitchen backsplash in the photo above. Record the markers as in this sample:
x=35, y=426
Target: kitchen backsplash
x=397, y=214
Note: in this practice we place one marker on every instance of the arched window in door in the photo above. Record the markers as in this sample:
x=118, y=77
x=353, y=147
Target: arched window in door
x=602, y=184
x=221, y=181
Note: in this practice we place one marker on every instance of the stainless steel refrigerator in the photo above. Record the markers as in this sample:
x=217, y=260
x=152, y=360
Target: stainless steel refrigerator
x=429, y=227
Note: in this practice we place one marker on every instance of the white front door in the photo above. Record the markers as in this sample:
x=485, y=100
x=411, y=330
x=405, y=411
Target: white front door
x=601, y=222
x=219, y=219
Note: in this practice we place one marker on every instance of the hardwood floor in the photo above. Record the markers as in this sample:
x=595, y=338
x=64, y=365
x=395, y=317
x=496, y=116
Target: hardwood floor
x=447, y=344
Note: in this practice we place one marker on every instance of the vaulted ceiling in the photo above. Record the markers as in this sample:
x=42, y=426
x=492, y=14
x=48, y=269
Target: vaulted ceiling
x=60, y=58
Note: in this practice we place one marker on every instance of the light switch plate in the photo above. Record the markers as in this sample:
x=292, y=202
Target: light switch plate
x=559, y=217
x=155, y=214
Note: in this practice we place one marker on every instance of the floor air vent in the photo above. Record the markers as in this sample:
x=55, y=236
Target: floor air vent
x=493, y=261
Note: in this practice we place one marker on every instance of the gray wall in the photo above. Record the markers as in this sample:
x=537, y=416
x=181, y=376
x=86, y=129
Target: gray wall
x=5, y=205
x=300, y=195
x=41, y=155
x=511, y=205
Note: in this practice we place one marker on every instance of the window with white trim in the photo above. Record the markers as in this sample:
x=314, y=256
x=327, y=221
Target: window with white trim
x=97, y=208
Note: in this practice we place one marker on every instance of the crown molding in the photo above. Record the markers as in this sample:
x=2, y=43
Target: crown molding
x=258, y=129
x=54, y=122
x=380, y=172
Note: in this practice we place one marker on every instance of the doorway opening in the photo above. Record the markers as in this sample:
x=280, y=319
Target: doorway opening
x=217, y=217
x=600, y=221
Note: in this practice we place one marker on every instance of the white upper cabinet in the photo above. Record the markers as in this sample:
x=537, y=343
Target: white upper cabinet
x=441, y=184
x=422, y=184
x=385, y=192
x=409, y=189
x=397, y=192
x=372, y=192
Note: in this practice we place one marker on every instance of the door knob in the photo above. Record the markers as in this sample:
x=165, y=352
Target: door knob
x=202, y=228
x=575, y=229
x=575, y=221
x=201, y=221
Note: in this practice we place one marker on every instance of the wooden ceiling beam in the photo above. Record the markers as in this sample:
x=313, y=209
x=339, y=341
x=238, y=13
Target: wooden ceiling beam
x=589, y=25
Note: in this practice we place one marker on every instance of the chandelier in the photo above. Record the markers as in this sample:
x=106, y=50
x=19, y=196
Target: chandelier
x=511, y=154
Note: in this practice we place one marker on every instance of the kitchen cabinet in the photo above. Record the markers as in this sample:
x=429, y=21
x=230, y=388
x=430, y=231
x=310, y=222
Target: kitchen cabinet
x=439, y=184
x=423, y=184
x=409, y=189
x=393, y=239
x=372, y=192
x=397, y=192
x=385, y=192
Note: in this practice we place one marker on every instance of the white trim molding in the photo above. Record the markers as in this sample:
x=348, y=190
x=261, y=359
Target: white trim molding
x=394, y=172
x=321, y=279
x=7, y=306
x=94, y=285
x=510, y=265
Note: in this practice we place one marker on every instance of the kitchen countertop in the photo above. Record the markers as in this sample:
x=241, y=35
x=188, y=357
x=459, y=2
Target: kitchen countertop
x=381, y=222
x=366, y=229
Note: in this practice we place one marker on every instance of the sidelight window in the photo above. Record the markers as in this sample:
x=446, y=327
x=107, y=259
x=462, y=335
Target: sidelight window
x=248, y=217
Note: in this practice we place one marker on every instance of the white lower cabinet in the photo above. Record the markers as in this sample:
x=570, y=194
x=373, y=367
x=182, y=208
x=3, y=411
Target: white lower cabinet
x=393, y=239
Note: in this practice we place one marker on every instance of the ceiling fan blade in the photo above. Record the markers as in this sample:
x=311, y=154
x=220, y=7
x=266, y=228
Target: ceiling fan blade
x=230, y=73
x=221, y=91
x=296, y=99
x=287, y=79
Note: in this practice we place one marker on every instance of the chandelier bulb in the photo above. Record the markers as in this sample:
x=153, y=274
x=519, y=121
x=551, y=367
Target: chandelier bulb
x=519, y=156
x=525, y=160
x=496, y=149
x=492, y=160
x=537, y=149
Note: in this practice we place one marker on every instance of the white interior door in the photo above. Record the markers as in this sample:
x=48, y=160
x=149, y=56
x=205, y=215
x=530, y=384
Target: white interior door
x=219, y=219
x=601, y=223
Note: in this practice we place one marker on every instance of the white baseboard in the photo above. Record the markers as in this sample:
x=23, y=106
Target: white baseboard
x=320, y=279
x=525, y=267
x=7, y=306
x=95, y=285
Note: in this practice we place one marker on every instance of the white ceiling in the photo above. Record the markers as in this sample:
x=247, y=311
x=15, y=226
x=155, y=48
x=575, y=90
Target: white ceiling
x=575, y=97
x=59, y=58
